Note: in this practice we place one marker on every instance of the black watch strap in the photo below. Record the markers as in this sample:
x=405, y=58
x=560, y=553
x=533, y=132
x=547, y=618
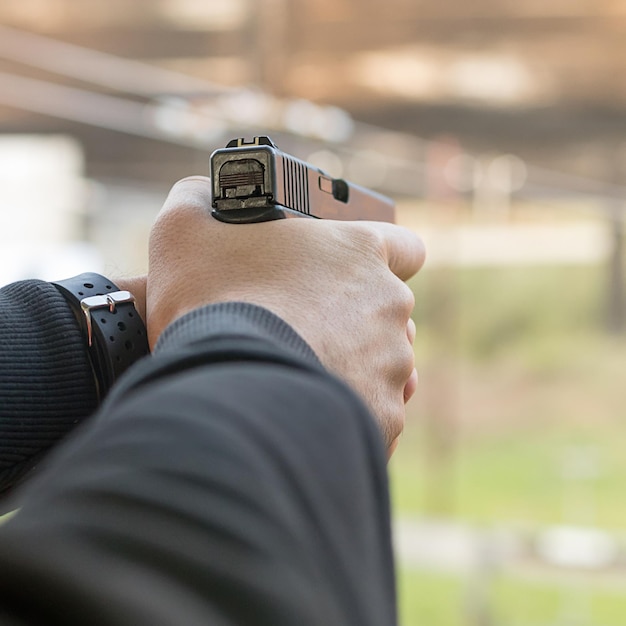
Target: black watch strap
x=113, y=329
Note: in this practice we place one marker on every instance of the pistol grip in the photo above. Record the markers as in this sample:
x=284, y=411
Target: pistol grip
x=255, y=215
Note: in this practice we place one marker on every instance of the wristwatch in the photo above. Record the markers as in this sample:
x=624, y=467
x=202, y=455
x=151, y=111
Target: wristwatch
x=111, y=325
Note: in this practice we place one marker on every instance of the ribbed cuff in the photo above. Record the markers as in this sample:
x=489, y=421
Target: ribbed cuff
x=46, y=383
x=233, y=320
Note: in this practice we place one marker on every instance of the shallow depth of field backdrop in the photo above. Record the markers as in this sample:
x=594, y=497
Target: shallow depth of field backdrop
x=498, y=127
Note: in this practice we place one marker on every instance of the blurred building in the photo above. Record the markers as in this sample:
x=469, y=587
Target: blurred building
x=537, y=79
x=418, y=98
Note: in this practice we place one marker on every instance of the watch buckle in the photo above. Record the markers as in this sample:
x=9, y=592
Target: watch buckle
x=105, y=301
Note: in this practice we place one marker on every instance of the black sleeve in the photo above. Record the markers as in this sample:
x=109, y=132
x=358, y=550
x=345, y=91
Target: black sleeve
x=46, y=383
x=228, y=480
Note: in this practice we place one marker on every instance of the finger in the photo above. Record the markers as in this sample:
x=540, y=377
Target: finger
x=411, y=386
x=404, y=250
x=411, y=330
x=392, y=447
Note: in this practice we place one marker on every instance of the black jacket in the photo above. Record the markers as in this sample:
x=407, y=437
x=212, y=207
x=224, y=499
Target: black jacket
x=227, y=480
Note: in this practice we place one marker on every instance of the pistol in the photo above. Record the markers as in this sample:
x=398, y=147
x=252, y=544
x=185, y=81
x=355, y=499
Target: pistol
x=256, y=182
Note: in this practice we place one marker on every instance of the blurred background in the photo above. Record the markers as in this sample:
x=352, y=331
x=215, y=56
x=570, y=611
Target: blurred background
x=499, y=128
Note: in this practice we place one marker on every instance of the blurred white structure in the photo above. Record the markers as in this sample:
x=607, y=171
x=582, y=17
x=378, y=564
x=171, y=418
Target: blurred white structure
x=42, y=199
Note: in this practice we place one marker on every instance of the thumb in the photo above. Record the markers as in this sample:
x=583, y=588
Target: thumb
x=193, y=193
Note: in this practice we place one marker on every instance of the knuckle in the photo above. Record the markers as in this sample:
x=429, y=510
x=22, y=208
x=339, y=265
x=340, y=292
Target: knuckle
x=400, y=362
x=409, y=298
x=366, y=237
x=404, y=300
x=406, y=361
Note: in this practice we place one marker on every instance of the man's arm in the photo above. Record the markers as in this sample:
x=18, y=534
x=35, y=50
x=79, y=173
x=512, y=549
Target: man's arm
x=339, y=284
x=47, y=383
x=229, y=480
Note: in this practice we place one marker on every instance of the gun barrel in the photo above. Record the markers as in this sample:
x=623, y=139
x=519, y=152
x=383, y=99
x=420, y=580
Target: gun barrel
x=255, y=182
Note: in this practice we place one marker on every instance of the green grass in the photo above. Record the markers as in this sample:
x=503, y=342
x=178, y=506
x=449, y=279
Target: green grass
x=518, y=312
x=519, y=420
x=518, y=381
x=426, y=599
x=436, y=599
x=535, y=479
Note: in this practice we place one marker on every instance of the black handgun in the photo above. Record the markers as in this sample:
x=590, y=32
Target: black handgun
x=256, y=182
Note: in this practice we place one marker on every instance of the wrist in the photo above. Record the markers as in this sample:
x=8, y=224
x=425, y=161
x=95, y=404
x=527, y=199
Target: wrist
x=228, y=320
x=111, y=325
x=137, y=286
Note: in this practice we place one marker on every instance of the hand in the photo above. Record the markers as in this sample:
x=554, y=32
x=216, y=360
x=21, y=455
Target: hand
x=338, y=284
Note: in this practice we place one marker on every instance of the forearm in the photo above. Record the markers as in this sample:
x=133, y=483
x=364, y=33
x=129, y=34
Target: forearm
x=50, y=380
x=46, y=384
x=233, y=478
